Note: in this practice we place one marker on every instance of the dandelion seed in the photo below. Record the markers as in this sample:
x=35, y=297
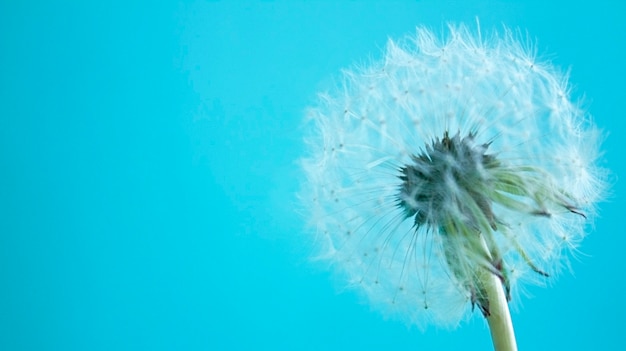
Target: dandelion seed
x=443, y=176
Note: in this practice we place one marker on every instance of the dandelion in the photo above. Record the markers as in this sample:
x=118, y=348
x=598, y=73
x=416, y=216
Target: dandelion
x=444, y=176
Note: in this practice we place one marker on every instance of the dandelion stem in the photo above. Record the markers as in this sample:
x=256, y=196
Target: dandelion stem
x=499, y=317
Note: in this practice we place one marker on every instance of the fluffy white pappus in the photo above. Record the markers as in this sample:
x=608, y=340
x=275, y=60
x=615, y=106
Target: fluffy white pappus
x=439, y=142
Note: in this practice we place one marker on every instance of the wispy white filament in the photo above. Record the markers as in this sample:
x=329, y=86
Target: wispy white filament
x=379, y=116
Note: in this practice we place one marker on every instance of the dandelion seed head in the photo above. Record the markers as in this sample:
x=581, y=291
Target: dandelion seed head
x=443, y=140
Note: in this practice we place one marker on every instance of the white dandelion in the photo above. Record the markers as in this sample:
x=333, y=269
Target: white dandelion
x=443, y=176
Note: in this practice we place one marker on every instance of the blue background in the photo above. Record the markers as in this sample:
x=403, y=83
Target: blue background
x=148, y=169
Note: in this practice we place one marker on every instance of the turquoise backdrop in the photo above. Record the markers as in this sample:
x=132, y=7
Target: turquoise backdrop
x=148, y=169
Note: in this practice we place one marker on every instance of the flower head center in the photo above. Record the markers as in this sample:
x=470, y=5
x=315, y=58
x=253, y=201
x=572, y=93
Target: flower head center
x=446, y=180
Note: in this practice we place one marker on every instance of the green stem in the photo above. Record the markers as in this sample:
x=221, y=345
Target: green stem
x=499, y=318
